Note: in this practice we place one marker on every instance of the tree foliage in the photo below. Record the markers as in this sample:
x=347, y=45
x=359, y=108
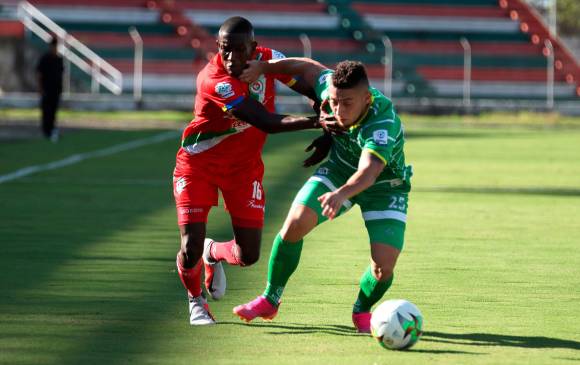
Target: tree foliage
x=569, y=17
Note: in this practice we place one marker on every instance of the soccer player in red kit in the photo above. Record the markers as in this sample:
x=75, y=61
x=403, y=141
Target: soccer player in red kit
x=221, y=149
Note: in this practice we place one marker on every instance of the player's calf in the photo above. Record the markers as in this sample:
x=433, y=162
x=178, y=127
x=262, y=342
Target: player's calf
x=192, y=239
x=229, y=252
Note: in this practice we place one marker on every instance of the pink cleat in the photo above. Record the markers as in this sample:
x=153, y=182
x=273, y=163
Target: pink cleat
x=259, y=307
x=362, y=322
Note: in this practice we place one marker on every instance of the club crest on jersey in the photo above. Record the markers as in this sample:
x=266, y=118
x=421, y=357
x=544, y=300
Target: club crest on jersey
x=224, y=89
x=381, y=136
x=322, y=79
x=180, y=185
x=257, y=87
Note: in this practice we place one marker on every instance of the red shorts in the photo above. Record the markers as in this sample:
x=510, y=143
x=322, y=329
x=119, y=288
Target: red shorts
x=196, y=191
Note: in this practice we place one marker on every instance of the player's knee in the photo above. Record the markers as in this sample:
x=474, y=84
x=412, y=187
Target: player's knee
x=249, y=257
x=300, y=221
x=382, y=272
x=293, y=230
x=191, y=249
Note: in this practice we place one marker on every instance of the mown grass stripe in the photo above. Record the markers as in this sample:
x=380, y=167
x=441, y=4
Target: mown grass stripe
x=76, y=158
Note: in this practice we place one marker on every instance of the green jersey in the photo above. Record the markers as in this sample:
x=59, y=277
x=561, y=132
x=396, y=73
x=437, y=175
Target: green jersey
x=378, y=131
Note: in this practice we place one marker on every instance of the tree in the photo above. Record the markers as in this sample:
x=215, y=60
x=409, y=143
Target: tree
x=569, y=17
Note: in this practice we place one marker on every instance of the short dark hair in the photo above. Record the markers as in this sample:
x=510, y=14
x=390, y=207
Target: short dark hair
x=349, y=74
x=237, y=25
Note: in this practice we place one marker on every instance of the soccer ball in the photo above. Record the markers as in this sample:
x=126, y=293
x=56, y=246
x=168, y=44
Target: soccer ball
x=397, y=324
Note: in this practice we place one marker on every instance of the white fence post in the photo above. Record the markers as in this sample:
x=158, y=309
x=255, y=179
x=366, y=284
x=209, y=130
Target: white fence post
x=102, y=72
x=466, y=71
x=67, y=70
x=137, y=65
x=306, y=45
x=388, y=78
x=95, y=69
x=549, y=74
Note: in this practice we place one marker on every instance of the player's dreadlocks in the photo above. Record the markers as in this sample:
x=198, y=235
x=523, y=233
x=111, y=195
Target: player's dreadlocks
x=349, y=74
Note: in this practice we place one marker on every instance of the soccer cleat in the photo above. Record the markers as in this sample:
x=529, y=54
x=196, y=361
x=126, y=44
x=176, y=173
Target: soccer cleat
x=215, y=276
x=199, y=314
x=55, y=135
x=259, y=307
x=362, y=322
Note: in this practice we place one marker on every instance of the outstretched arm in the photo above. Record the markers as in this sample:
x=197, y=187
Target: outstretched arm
x=305, y=68
x=303, y=88
x=369, y=168
x=254, y=113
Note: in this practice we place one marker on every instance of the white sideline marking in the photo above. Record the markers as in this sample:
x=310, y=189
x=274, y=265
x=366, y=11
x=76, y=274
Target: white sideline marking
x=79, y=157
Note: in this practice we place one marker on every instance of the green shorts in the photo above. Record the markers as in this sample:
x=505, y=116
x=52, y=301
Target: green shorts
x=384, y=210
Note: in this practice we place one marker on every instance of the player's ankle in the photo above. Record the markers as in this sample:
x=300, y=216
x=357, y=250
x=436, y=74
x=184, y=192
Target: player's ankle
x=274, y=301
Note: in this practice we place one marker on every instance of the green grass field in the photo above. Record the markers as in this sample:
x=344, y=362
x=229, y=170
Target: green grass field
x=492, y=255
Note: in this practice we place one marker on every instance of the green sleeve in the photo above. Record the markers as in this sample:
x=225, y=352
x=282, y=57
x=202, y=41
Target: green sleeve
x=322, y=84
x=380, y=135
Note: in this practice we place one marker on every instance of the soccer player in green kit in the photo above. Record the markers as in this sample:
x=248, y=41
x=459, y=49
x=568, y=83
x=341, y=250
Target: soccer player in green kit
x=366, y=167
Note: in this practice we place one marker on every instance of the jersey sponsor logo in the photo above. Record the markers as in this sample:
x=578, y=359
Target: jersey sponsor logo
x=322, y=171
x=277, y=55
x=252, y=204
x=224, y=89
x=381, y=136
x=190, y=210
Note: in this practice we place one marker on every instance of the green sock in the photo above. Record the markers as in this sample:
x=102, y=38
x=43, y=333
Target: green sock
x=283, y=261
x=371, y=291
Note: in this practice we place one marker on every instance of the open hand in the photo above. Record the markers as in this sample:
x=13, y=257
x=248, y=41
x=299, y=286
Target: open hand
x=252, y=71
x=331, y=203
x=321, y=146
x=328, y=122
x=331, y=125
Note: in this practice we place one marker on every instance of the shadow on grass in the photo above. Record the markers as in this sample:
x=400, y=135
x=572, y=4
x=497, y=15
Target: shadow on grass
x=548, y=191
x=331, y=329
x=448, y=352
x=300, y=328
x=149, y=290
x=489, y=339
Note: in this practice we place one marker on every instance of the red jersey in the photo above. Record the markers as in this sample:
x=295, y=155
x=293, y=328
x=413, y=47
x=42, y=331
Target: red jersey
x=215, y=134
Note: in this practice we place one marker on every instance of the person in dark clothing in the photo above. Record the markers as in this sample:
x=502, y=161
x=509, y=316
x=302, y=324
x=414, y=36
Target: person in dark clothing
x=49, y=73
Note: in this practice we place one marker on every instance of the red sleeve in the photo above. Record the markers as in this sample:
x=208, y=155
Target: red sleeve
x=289, y=80
x=226, y=92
